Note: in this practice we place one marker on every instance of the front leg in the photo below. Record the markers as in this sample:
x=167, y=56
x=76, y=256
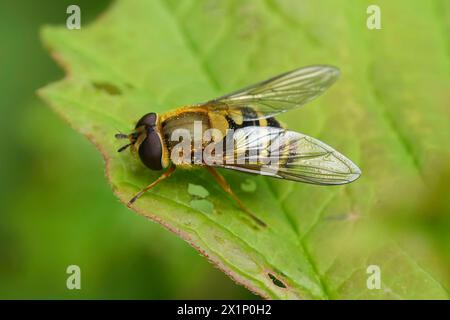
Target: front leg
x=151, y=185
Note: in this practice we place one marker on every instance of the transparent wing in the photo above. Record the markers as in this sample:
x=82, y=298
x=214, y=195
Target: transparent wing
x=287, y=155
x=279, y=94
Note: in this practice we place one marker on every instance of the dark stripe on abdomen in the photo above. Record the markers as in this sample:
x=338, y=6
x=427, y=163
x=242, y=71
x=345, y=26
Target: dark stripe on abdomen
x=249, y=113
x=272, y=122
x=231, y=123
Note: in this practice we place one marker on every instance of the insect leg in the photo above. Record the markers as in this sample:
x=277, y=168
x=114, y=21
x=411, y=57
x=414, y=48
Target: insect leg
x=226, y=187
x=151, y=185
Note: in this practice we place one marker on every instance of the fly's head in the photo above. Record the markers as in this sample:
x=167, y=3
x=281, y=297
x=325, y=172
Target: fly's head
x=146, y=141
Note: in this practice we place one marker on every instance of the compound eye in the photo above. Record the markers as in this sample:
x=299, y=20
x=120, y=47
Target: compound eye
x=148, y=120
x=150, y=150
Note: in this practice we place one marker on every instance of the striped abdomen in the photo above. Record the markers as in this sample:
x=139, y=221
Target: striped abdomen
x=240, y=118
x=223, y=120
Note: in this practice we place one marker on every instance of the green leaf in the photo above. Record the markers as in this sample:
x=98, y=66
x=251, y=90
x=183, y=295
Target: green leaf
x=389, y=113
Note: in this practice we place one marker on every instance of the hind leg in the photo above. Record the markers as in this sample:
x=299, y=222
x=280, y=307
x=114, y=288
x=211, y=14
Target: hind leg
x=226, y=187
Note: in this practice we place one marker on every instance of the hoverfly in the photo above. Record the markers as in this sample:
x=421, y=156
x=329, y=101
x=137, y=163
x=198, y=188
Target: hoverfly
x=249, y=112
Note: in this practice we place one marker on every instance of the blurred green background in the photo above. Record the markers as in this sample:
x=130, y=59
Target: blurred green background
x=44, y=227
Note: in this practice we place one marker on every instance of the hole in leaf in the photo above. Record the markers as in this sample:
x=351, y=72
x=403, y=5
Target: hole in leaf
x=276, y=281
x=197, y=191
x=248, y=185
x=107, y=87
